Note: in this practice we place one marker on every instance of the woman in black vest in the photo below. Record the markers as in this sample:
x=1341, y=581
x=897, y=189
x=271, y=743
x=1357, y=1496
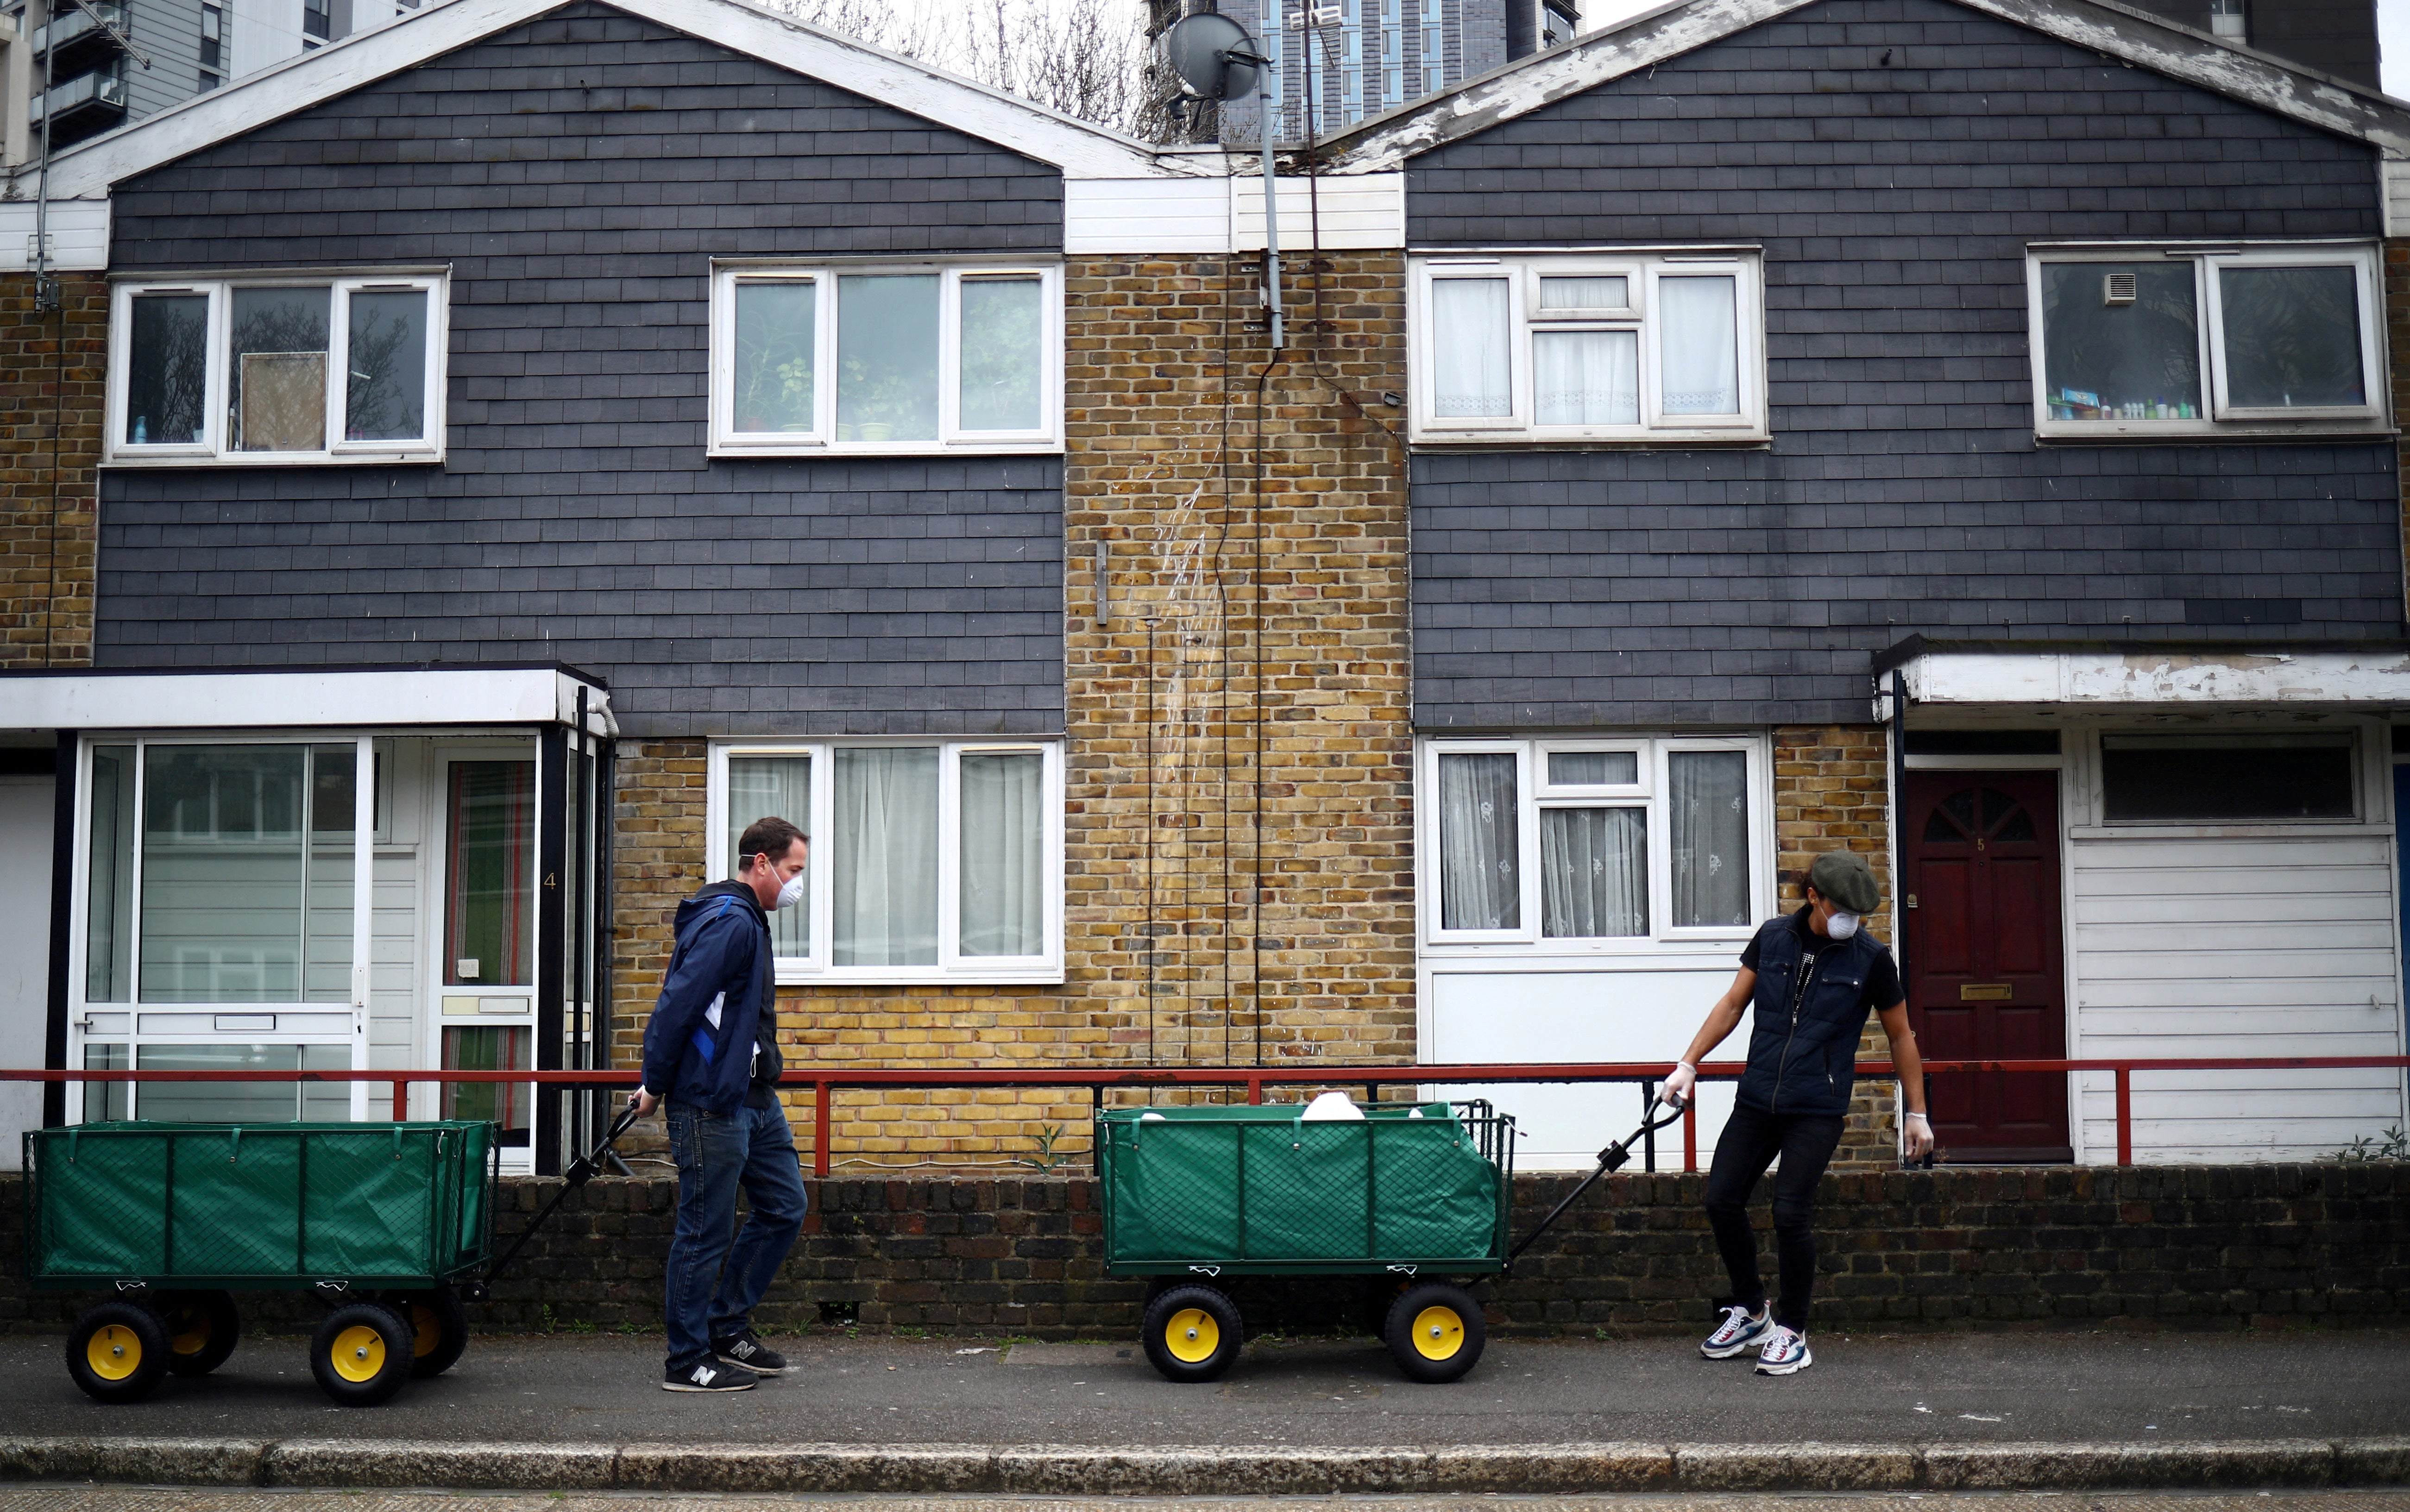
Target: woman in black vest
x=1810, y=978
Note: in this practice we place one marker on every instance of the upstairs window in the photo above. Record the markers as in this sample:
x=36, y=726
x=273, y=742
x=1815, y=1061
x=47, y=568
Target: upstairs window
x=886, y=359
x=345, y=370
x=1597, y=347
x=2176, y=342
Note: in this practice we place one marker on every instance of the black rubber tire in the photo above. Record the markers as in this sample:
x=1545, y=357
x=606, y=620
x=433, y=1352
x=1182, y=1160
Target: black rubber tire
x=1217, y=1332
x=1448, y=1319
x=130, y=1346
x=203, y=1328
x=440, y=1329
x=361, y=1353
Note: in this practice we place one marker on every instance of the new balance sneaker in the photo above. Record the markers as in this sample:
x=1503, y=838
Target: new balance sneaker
x=1739, y=1329
x=1785, y=1352
x=708, y=1377
x=748, y=1351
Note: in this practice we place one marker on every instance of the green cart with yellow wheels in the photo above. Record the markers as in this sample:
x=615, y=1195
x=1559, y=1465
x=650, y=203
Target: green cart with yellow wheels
x=172, y=1220
x=1416, y=1195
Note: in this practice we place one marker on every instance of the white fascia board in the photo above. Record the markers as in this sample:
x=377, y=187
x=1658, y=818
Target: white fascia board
x=2393, y=191
x=301, y=700
x=1079, y=149
x=2158, y=679
x=1103, y=217
x=1595, y=58
x=79, y=232
x=1355, y=211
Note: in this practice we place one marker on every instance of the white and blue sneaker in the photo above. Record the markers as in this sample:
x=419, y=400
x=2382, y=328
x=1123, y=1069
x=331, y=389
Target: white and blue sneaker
x=1739, y=1329
x=1785, y=1352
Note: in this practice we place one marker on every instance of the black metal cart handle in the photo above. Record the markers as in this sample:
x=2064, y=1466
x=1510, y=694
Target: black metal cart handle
x=580, y=1171
x=1611, y=1159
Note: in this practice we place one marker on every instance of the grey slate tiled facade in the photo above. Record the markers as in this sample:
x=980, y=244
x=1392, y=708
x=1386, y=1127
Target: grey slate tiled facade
x=1904, y=492
x=577, y=174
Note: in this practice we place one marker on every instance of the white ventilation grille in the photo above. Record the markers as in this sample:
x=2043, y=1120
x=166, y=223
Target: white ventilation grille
x=2117, y=288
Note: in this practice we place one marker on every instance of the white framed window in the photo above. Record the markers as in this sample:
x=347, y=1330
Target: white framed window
x=1555, y=845
x=931, y=859
x=1651, y=346
x=2176, y=341
x=886, y=357
x=278, y=371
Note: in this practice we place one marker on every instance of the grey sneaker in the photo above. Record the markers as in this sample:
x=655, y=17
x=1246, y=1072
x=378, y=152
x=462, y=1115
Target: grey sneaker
x=708, y=1377
x=1739, y=1329
x=1785, y=1352
x=747, y=1351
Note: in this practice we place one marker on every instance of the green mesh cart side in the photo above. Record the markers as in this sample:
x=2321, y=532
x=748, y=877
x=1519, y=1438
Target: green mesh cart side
x=1260, y=1190
x=258, y=1206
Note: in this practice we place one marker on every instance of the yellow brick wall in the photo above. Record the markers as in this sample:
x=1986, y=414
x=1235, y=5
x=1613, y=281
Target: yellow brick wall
x=1832, y=786
x=52, y=376
x=1244, y=714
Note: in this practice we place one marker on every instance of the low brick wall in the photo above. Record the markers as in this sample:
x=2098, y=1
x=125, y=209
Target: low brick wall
x=2216, y=1246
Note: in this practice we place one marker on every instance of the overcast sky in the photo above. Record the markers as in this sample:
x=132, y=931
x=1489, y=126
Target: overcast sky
x=2393, y=44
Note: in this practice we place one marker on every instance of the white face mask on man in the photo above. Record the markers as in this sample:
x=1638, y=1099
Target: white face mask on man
x=1842, y=925
x=792, y=893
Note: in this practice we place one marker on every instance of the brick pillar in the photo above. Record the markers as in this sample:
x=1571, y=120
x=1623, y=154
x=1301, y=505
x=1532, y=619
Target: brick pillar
x=1832, y=790
x=52, y=373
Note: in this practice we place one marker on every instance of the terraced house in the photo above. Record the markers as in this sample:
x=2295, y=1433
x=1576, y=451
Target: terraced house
x=493, y=457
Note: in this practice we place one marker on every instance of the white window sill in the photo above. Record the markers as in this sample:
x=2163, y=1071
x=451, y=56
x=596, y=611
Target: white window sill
x=893, y=448
x=1607, y=440
x=796, y=976
x=1633, y=947
x=2197, y=433
x=2298, y=829
x=418, y=459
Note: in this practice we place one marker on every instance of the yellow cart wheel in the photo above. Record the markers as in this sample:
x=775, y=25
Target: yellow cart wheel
x=1191, y=1333
x=440, y=1328
x=117, y=1352
x=1434, y=1331
x=361, y=1353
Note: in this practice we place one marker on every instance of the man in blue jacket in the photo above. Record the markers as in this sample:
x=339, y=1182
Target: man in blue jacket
x=711, y=1052
x=1810, y=979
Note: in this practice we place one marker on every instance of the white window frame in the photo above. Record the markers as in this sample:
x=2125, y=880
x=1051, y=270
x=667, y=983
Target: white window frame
x=1643, y=268
x=951, y=966
x=211, y=449
x=2218, y=419
x=727, y=441
x=1533, y=794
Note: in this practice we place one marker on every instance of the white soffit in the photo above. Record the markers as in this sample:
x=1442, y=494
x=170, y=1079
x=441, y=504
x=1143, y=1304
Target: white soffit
x=2162, y=678
x=77, y=229
x=300, y=700
x=1081, y=149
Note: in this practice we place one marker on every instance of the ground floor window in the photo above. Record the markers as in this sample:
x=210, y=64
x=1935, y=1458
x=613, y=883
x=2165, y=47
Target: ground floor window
x=930, y=860
x=1592, y=842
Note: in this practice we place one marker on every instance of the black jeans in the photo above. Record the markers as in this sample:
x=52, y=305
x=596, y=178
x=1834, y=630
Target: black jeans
x=1750, y=1139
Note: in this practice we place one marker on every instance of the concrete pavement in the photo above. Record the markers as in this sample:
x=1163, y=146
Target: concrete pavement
x=126, y=1499
x=1919, y=1389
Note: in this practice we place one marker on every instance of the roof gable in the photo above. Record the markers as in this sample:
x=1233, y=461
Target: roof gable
x=1383, y=143
x=1079, y=149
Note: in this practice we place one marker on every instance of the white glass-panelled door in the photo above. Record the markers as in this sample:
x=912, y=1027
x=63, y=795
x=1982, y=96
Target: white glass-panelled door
x=223, y=907
x=483, y=876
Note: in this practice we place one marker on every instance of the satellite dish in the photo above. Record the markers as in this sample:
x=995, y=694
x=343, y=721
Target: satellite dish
x=1212, y=56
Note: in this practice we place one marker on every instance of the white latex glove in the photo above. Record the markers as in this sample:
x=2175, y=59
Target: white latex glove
x=1679, y=1086
x=644, y=1102
x=1915, y=1135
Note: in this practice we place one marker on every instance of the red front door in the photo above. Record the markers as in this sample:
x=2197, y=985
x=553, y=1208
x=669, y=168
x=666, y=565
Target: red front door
x=1983, y=958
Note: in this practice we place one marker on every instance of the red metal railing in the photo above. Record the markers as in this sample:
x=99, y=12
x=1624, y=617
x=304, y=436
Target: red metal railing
x=1254, y=1079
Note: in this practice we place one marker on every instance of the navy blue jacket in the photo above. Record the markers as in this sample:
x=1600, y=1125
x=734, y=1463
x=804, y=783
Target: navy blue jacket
x=724, y=959
x=1803, y=1059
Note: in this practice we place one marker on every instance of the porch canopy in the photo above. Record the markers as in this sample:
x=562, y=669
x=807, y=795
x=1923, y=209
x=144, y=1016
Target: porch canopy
x=2044, y=677
x=304, y=698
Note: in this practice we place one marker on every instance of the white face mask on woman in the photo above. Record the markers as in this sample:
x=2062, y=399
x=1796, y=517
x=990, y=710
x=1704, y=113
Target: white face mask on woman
x=792, y=893
x=1842, y=925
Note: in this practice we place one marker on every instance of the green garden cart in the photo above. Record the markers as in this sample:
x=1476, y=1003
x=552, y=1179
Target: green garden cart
x=379, y=1220
x=1197, y=1196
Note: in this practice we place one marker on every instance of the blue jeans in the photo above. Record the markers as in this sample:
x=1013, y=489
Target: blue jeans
x=714, y=1283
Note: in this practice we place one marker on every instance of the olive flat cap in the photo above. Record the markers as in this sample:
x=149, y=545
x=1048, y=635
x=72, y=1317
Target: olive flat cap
x=1844, y=877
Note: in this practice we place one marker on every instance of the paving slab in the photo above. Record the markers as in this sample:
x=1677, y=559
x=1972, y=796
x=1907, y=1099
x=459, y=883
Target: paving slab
x=2014, y=1390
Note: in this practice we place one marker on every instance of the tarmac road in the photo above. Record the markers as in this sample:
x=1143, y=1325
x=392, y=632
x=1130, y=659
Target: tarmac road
x=134, y=1498
x=1919, y=1389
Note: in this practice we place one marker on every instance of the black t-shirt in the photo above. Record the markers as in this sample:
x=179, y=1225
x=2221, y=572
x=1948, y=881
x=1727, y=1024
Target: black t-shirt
x=1883, y=979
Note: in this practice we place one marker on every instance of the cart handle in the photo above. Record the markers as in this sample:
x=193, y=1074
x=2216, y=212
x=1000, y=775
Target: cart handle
x=580, y=1171
x=1611, y=1159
